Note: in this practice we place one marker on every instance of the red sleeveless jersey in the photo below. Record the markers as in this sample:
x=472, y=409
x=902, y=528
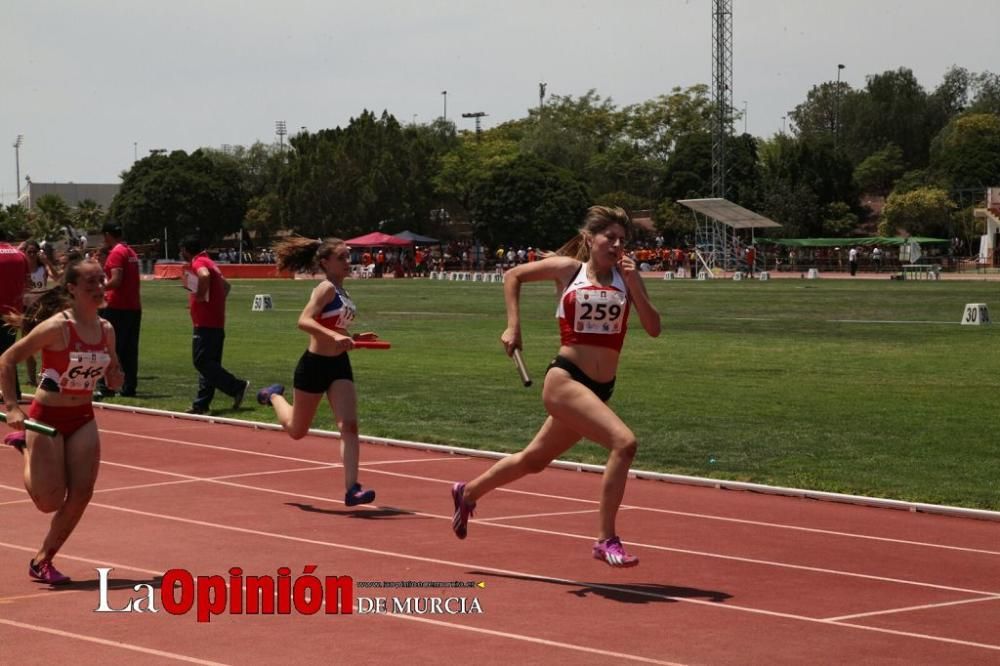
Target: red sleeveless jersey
x=76, y=369
x=590, y=314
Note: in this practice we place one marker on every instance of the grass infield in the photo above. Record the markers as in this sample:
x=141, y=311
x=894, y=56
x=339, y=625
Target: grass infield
x=861, y=387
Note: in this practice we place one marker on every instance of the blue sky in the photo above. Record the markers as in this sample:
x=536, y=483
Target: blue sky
x=92, y=84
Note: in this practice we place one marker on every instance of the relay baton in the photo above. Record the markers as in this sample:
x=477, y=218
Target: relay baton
x=521, y=370
x=34, y=425
x=371, y=344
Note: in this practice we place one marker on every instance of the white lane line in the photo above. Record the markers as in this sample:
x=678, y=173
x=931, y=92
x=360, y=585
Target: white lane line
x=230, y=449
x=531, y=639
x=890, y=321
x=907, y=609
x=562, y=581
x=685, y=551
x=814, y=530
x=757, y=523
x=521, y=574
x=114, y=644
x=523, y=528
x=535, y=515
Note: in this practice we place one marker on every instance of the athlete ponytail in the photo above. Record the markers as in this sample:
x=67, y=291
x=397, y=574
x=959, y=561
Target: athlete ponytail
x=597, y=219
x=304, y=254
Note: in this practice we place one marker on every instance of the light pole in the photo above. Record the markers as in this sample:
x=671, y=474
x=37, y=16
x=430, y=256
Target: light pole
x=17, y=163
x=836, y=113
x=744, y=116
x=444, y=96
x=281, y=129
x=541, y=97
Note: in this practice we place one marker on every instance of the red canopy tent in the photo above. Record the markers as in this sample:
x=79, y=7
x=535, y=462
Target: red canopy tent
x=378, y=239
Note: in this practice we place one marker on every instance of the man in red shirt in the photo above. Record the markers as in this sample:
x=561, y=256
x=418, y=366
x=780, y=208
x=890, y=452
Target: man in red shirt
x=124, y=307
x=207, y=300
x=13, y=280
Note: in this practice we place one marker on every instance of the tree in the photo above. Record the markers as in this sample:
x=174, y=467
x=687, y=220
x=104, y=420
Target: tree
x=818, y=115
x=372, y=174
x=529, y=201
x=89, y=215
x=182, y=194
x=838, y=220
x=880, y=170
x=986, y=89
x=50, y=217
x=922, y=212
x=13, y=220
x=893, y=108
x=967, y=151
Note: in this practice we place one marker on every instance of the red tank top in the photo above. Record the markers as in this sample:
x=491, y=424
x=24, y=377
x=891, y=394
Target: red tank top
x=590, y=314
x=76, y=369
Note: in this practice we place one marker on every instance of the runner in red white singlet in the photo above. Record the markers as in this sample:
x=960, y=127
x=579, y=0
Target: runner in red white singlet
x=78, y=349
x=598, y=285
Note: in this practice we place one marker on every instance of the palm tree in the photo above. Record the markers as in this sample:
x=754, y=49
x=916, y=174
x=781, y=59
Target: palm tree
x=89, y=216
x=51, y=214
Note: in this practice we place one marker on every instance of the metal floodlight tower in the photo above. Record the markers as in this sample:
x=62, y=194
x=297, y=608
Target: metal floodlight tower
x=477, y=115
x=281, y=129
x=710, y=235
x=17, y=163
x=722, y=90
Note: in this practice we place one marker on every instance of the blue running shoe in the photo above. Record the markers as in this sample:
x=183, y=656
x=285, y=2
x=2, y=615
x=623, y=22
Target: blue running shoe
x=356, y=496
x=264, y=395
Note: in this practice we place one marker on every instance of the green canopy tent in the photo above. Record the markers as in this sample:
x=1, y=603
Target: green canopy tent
x=840, y=242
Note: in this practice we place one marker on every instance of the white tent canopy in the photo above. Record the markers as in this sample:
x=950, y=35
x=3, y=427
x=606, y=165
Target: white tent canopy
x=728, y=213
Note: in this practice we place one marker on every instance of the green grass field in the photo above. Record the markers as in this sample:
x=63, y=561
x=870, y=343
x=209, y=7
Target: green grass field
x=860, y=387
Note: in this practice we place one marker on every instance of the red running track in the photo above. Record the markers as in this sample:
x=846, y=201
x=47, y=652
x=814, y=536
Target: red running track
x=726, y=577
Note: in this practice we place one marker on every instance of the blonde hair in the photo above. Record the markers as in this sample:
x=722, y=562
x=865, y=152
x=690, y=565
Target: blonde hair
x=304, y=254
x=597, y=219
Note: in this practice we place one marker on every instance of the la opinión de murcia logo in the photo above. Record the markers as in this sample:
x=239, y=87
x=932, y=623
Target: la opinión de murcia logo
x=180, y=591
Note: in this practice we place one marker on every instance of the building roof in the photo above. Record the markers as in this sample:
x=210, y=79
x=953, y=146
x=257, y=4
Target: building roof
x=730, y=214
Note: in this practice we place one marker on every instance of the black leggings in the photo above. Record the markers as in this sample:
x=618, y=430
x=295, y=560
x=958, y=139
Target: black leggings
x=602, y=390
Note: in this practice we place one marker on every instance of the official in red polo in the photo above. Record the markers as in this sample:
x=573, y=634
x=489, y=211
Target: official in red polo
x=13, y=280
x=124, y=307
x=208, y=291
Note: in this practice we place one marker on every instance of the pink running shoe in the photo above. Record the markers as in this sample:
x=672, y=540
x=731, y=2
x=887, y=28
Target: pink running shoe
x=15, y=439
x=611, y=552
x=463, y=511
x=44, y=572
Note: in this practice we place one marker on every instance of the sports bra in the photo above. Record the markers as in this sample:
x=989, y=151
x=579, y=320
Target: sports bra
x=76, y=369
x=590, y=314
x=338, y=313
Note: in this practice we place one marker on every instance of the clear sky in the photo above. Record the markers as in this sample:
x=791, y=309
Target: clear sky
x=92, y=83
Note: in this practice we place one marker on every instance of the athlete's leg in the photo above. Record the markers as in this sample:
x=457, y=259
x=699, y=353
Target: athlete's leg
x=296, y=418
x=552, y=440
x=82, y=454
x=344, y=402
x=568, y=401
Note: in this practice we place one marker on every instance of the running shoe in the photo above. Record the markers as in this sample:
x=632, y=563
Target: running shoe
x=611, y=552
x=15, y=439
x=356, y=496
x=264, y=395
x=463, y=511
x=238, y=398
x=44, y=572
